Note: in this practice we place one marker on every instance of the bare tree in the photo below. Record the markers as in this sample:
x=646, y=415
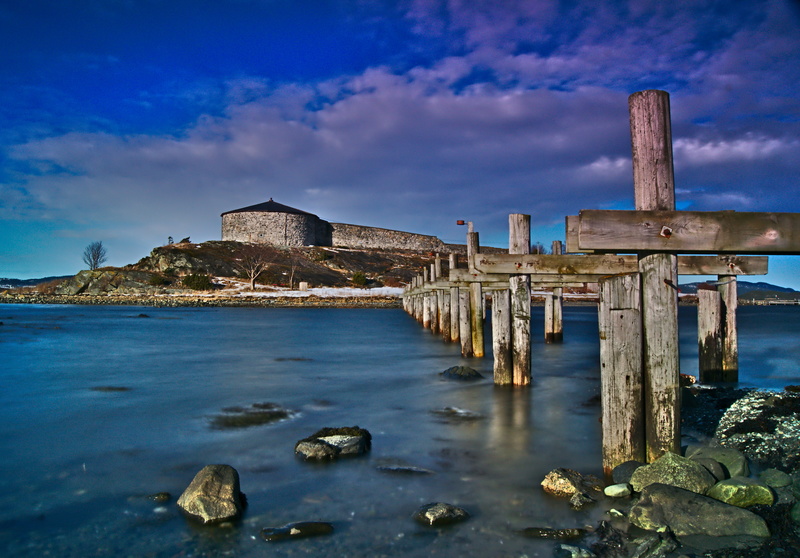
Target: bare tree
x=253, y=260
x=95, y=255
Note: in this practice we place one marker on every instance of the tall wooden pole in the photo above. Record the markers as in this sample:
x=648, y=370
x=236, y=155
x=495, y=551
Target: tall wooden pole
x=519, y=242
x=654, y=189
x=475, y=299
x=623, y=418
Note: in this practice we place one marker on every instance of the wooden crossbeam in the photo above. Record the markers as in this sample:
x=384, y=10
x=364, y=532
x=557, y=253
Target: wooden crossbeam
x=717, y=232
x=569, y=267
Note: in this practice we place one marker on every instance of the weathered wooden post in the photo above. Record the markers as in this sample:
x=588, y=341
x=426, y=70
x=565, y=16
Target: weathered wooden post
x=654, y=189
x=730, y=344
x=434, y=296
x=476, y=308
x=465, y=322
x=444, y=314
x=426, y=302
x=455, y=315
x=519, y=242
x=709, y=335
x=501, y=337
x=554, y=308
x=622, y=396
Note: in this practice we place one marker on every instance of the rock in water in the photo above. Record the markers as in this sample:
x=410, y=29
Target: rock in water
x=439, y=513
x=300, y=530
x=330, y=443
x=213, y=495
x=688, y=513
x=461, y=373
x=566, y=483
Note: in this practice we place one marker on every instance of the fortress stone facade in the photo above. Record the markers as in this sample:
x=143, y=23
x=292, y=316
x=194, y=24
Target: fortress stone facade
x=280, y=225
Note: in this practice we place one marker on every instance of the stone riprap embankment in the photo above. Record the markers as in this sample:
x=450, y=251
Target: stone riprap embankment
x=169, y=301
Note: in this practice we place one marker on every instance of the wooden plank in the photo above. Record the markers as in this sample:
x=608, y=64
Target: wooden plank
x=621, y=373
x=651, y=147
x=465, y=276
x=723, y=264
x=720, y=232
x=533, y=264
x=572, y=224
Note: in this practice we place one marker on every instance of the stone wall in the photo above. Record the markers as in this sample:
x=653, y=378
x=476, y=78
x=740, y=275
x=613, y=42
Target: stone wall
x=279, y=229
x=357, y=236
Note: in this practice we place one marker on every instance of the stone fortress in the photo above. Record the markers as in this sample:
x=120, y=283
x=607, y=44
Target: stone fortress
x=280, y=225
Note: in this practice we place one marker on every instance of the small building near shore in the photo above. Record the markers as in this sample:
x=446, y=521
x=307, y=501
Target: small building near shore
x=273, y=223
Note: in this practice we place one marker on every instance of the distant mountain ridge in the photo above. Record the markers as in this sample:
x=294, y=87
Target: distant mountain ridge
x=743, y=287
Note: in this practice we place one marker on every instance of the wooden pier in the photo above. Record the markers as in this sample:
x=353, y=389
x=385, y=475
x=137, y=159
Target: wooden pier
x=635, y=257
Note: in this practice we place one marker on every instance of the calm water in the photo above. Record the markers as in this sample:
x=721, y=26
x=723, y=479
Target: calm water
x=78, y=462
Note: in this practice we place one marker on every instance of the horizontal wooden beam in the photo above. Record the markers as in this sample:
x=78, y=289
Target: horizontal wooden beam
x=718, y=232
x=568, y=267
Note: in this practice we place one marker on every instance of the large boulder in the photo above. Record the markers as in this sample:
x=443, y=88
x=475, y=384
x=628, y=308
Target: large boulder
x=331, y=443
x=688, y=513
x=673, y=470
x=213, y=495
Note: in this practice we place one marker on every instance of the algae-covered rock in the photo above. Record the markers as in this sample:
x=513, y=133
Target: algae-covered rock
x=742, y=492
x=673, y=470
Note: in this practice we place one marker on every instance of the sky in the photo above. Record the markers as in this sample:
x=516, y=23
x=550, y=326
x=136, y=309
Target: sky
x=132, y=121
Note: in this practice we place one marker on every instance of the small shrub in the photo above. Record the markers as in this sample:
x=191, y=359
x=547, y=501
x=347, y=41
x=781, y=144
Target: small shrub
x=359, y=279
x=197, y=282
x=157, y=281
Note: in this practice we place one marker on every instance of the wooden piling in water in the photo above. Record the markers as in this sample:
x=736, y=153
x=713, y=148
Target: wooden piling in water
x=501, y=337
x=519, y=242
x=554, y=308
x=464, y=323
x=455, y=314
x=444, y=314
x=654, y=189
x=476, y=302
x=709, y=335
x=729, y=295
x=621, y=371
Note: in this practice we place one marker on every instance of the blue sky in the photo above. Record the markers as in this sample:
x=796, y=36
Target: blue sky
x=129, y=121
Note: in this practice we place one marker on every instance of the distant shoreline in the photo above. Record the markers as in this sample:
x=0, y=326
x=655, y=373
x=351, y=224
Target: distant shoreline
x=203, y=301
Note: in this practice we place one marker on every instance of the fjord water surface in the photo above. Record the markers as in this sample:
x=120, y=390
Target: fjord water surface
x=102, y=406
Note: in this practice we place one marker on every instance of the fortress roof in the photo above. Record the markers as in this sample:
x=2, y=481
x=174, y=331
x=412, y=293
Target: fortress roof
x=269, y=207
